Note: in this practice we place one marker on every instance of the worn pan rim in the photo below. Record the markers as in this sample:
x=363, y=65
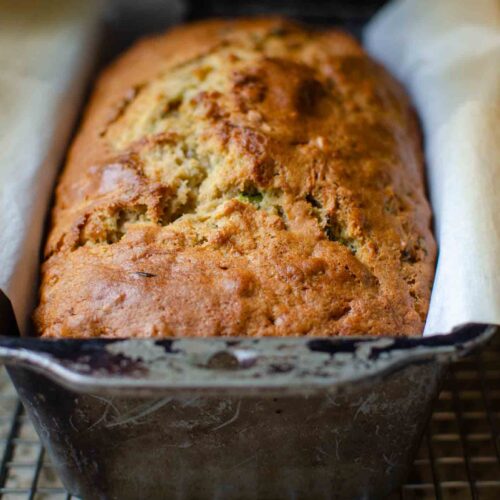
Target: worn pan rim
x=299, y=365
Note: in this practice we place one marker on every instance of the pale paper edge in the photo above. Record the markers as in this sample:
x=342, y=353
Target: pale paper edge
x=46, y=52
x=447, y=54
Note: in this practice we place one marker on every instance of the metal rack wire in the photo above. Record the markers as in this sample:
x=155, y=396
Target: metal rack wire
x=459, y=457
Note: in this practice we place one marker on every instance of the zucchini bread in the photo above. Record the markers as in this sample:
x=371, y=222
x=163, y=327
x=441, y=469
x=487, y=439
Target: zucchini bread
x=245, y=178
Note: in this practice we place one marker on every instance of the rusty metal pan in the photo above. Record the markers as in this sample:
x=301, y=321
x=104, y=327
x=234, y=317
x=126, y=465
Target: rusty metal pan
x=232, y=418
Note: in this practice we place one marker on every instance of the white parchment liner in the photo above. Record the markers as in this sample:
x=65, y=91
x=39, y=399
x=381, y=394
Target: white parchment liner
x=447, y=52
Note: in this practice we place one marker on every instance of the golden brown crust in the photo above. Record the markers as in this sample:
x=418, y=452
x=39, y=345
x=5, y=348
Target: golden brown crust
x=247, y=177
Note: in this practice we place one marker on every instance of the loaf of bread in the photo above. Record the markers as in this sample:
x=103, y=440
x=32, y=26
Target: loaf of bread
x=242, y=178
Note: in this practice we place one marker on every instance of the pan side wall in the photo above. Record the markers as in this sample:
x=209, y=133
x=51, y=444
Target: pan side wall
x=355, y=443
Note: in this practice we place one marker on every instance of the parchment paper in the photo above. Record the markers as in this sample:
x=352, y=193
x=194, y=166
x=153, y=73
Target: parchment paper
x=46, y=48
x=447, y=52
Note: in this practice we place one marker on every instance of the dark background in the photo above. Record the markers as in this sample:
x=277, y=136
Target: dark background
x=130, y=19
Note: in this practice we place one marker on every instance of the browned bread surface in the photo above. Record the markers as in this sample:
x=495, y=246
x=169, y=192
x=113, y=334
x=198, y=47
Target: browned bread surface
x=248, y=177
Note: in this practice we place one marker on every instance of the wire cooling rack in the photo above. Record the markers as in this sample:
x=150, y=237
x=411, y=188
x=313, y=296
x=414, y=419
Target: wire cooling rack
x=459, y=457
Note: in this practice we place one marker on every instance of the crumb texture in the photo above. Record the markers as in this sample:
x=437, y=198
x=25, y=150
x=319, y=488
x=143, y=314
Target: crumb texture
x=248, y=178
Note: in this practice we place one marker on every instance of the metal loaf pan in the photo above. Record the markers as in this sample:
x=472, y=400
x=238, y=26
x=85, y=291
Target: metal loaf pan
x=226, y=418
x=282, y=418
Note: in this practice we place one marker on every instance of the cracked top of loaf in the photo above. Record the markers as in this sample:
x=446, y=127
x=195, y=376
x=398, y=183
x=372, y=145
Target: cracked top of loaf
x=248, y=178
